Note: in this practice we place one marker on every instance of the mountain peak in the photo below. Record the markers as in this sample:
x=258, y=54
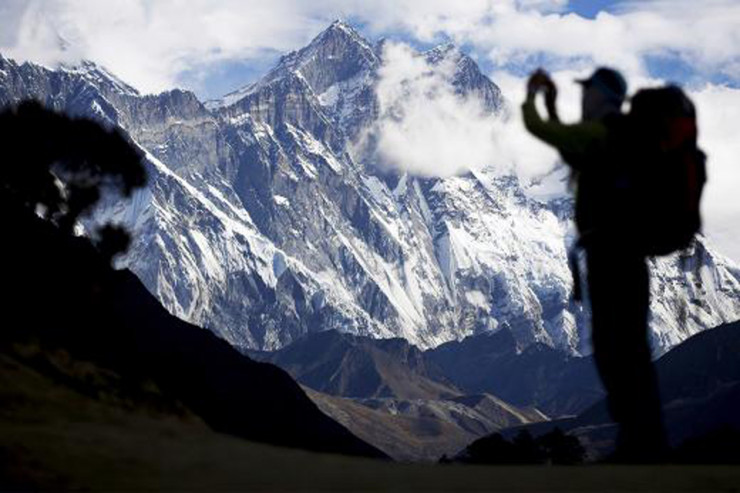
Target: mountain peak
x=338, y=53
x=339, y=30
x=341, y=24
x=442, y=51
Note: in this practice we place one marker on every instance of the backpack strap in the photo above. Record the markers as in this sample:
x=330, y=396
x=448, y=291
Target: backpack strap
x=575, y=268
x=575, y=271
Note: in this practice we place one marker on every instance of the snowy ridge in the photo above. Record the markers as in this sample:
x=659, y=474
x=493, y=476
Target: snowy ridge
x=98, y=76
x=261, y=224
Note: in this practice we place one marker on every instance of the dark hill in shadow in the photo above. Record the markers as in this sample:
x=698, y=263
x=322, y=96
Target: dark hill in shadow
x=60, y=293
x=700, y=388
x=538, y=376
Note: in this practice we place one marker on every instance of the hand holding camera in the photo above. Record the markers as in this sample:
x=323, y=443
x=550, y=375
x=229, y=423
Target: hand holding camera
x=540, y=81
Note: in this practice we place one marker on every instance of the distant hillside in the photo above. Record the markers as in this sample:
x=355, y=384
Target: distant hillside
x=390, y=394
x=419, y=405
x=353, y=366
x=55, y=438
x=345, y=365
x=423, y=430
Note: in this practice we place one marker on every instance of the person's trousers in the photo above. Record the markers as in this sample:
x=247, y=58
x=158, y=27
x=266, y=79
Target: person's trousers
x=619, y=291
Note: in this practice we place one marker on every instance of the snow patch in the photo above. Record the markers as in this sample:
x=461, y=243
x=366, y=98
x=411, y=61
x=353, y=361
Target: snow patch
x=281, y=201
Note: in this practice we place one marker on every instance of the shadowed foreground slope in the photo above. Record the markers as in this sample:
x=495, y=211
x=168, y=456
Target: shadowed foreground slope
x=56, y=438
x=62, y=296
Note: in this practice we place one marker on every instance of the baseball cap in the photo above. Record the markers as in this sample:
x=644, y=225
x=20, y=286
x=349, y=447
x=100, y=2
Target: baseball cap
x=608, y=80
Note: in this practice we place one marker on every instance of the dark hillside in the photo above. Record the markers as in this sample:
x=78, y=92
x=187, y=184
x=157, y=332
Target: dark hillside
x=700, y=388
x=60, y=295
x=539, y=376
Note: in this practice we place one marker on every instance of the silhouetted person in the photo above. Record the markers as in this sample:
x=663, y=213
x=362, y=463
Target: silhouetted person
x=597, y=149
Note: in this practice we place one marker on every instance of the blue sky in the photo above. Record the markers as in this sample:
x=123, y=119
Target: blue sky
x=668, y=65
x=589, y=8
x=214, y=46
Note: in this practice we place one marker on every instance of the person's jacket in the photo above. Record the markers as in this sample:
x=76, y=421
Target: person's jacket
x=597, y=152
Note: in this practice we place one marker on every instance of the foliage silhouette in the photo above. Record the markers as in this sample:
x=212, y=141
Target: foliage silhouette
x=60, y=167
x=554, y=447
x=561, y=449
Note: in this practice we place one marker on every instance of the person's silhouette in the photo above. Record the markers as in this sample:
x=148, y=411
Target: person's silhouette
x=598, y=150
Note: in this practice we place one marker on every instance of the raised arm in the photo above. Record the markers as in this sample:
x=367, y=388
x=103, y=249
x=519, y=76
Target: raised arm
x=571, y=140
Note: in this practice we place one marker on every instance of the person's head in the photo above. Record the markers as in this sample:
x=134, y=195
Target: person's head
x=603, y=93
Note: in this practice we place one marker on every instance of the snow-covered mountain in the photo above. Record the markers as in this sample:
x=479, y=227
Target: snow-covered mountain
x=262, y=223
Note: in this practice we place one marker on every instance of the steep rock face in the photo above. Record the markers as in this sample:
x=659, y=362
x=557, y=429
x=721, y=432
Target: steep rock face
x=261, y=224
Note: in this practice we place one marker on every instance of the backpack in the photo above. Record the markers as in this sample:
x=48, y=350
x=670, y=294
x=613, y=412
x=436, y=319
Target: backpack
x=668, y=170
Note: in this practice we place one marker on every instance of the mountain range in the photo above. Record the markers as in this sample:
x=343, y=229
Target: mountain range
x=351, y=309
x=263, y=221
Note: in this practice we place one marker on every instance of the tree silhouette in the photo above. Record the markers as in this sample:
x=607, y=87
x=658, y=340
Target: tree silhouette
x=60, y=167
x=528, y=450
x=492, y=449
x=554, y=447
x=560, y=448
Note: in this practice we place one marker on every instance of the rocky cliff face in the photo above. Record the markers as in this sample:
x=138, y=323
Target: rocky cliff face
x=262, y=223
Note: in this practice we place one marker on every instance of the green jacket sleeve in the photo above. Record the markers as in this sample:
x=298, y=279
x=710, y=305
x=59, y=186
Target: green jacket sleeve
x=570, y=139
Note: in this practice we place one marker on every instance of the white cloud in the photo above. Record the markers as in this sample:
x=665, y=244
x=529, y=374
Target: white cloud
x=424, y=126
x=718, y=114
x=427, y=129
x=152, y=43
x=704, y=34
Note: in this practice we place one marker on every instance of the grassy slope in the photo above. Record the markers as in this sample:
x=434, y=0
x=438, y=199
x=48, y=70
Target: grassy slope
x=55, y=434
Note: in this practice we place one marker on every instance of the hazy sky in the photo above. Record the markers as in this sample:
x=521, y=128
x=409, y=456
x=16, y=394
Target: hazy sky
x=215, y=46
